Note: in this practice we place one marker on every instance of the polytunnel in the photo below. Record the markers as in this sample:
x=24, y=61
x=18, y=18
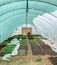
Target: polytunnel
x=34, y=21
x=13, y=11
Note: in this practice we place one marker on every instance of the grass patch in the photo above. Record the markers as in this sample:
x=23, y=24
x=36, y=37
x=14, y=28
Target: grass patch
x=40, y=41
x=38, y=60
x=31, y=41
x=23, y=41
x=36, y=35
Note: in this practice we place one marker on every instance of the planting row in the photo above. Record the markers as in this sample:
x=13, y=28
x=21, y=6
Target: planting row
x=36, y=50
x=7, y=49
x=42, y=50
x=19, y=37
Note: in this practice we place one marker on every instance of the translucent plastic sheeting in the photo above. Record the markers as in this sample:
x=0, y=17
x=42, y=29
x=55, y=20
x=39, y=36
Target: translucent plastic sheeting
x=22, y=5
x=48, y=26
x=39, y=29
x=11, y=26
x=16, y=12
x=13, y=14
x=2, y=2
x=50, y=31
x=53, y=28
x=54, y=13
x=48, y=21
x=39, y=26
x=51, y=18
x=20, y=17
x=43, y=32
x=16, y=18
x=45, y=26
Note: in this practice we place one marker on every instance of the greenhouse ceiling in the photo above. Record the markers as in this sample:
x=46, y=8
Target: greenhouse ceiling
x=13, y=13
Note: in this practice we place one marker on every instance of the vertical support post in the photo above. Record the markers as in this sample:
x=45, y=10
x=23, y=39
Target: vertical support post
x=26, y=12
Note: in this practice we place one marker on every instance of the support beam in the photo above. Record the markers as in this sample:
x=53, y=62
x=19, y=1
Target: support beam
x=26, y=12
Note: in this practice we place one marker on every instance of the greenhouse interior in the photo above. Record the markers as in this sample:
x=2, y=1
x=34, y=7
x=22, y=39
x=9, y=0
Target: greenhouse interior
x=28, y=32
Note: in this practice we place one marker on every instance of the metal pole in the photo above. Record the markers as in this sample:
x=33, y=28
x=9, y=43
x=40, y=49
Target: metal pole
x=26, y=12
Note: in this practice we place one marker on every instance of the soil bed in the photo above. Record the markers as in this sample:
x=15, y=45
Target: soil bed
x=48, y=50
x=23, y=49
x=36, y=50
x=2, y=46
x=53, y=60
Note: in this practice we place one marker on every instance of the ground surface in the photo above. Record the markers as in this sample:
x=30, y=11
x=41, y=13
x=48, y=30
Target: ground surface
x=28, y=60
x=35, y=54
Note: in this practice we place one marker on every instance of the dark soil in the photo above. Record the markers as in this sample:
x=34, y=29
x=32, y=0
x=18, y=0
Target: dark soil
x=53, y=60
x=23, y=49
x=29, y=36
x=48, y=50
x=2, y=46
x=36, y=50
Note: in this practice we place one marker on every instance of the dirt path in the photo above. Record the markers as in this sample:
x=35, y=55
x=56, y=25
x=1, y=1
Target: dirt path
x=29, y=59
x=29, y=53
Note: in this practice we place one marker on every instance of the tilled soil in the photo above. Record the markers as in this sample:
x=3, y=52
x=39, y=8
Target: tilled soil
x=2, y=46
x=48, y=50
x=23, y=49
x=36, y=50
x=49, y=58
x=53, y=60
